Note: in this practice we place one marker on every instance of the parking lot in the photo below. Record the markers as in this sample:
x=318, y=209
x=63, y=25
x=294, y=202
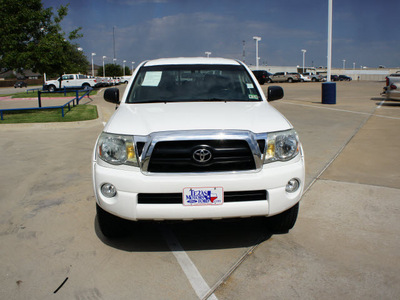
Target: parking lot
x=344, y=245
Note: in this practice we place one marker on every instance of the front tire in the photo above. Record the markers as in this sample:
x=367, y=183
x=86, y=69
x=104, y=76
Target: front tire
x=52, y=88
x=111, y=226
x=284, y=221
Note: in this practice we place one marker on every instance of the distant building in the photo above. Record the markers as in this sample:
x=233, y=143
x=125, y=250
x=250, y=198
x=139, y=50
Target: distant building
x=27, y=74
x=274, y=69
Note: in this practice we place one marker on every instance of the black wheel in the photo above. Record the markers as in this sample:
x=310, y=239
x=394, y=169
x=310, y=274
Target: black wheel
x=52, y=88
x=110, y=225
x=290, y=80
x=285, y=221
x=314, y=79
x=85, y=86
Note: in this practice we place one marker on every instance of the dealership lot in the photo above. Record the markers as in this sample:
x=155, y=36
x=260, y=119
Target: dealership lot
x=344, y=245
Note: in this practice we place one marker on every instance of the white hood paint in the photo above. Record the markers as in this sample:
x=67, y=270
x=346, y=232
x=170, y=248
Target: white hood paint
x=143, y=119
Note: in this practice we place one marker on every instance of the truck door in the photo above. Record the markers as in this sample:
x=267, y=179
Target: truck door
x=279, y=76
x=67, y=80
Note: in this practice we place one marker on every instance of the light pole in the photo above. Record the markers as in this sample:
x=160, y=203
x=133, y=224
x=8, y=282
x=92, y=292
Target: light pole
x=123, y=66
x=257, y=39
x=207, y=54
x=328, y=87
x=304, y=57
x=104, y=70
x=132, y=67
x=93, y=54
x=344, y=64
x=329, y=62
x=114, y=60
x=354, y=65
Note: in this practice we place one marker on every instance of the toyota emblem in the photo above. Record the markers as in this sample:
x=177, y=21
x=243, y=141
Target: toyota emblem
x=202, y=155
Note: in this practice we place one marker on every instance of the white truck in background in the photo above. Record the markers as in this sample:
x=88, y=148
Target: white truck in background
x=313, y=77
x=70, y=81
x=392, y=88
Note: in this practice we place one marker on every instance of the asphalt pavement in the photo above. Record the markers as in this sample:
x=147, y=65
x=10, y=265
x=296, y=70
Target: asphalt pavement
x=343, y=246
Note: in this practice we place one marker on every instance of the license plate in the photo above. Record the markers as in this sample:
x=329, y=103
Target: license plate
x=203, y=196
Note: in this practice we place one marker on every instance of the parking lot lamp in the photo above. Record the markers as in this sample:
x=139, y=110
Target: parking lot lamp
x=104, y=70
x=123, y=66
x=304, y=57
x=93, y=54
x=257, y=39
x=207, y=54
x=132, y=66
x=344, y=64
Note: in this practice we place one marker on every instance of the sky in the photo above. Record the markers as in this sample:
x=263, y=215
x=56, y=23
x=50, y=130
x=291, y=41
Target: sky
x=365, y=32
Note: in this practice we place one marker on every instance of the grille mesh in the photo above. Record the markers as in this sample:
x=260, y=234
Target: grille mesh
x=177, y=156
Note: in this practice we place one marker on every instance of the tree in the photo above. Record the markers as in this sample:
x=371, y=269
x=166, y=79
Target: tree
x=31, y=38
x=113, y=70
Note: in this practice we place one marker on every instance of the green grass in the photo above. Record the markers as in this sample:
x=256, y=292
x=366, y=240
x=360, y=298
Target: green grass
x=77, y=113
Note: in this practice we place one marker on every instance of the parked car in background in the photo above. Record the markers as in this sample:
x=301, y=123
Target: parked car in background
x=344, y=78
x=334, y=78
x=313, y=77
x=392, y=88
x=262, y=76
x=304, y=78
x=20, y=84
x=284, y=76
x=397, y=74
x=125, y=79
x=167, y=153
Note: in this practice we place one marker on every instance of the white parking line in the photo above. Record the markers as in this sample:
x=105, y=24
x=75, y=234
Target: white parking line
x=197, y=281
x=344, y=110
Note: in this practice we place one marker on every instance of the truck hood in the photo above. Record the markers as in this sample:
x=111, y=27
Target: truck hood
x=143, y=119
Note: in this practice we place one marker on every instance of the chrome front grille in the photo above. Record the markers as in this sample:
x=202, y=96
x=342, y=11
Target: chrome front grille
x=200, y=151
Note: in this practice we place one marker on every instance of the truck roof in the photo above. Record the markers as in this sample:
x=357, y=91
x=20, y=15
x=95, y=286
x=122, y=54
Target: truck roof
x=192, y=61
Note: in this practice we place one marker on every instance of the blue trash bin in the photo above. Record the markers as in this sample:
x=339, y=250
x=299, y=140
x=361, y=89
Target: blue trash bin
x=329, y=93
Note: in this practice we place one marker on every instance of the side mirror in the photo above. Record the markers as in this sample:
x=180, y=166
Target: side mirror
x=274, y=93
x=112, y=95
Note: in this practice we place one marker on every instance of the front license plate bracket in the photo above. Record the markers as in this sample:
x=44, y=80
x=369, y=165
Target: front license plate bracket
x=200, y=196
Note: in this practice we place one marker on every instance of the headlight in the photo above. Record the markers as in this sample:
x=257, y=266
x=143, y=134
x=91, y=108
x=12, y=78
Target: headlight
x=116, y=149
x=282, y=146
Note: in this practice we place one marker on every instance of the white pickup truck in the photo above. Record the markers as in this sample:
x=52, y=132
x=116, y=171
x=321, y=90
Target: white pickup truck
x=313, y=77
x=392, y=88
x=196, y=138
x=70, y=81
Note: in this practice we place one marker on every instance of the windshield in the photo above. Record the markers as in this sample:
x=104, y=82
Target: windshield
x=175, y=83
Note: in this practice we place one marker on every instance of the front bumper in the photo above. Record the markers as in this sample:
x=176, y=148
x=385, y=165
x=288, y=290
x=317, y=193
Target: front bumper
x=129, y=182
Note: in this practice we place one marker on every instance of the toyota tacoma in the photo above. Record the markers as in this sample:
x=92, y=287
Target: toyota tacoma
x=196, y=138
